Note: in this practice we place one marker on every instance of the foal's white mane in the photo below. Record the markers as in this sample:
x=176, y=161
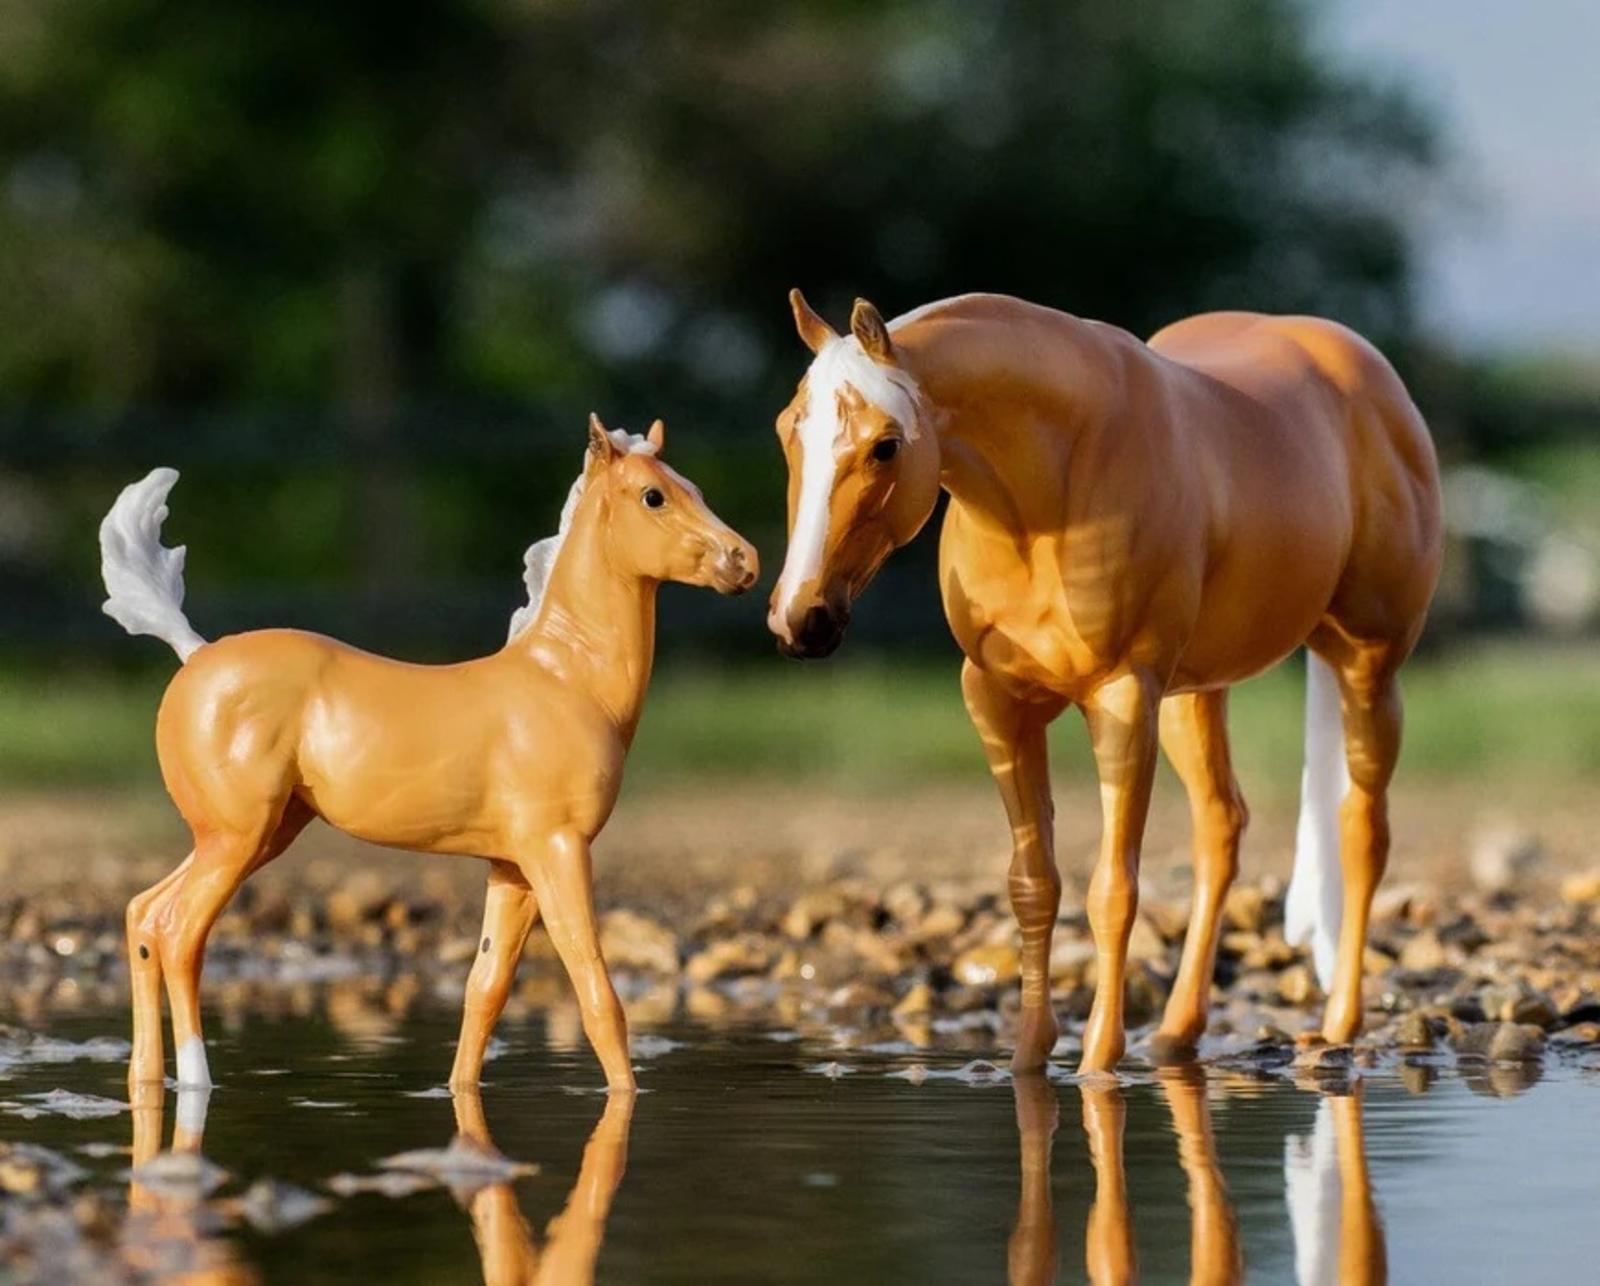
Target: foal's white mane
x=540, y=559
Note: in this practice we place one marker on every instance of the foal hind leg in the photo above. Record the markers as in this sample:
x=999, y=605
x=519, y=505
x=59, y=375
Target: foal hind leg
x=145, y=1064
x=509, y=912
x=1194, y=735
x=222, y=861
x=1013, y=736
x=1370, y=695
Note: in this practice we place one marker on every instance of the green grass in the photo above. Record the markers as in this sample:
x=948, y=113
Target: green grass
x=1490, y=713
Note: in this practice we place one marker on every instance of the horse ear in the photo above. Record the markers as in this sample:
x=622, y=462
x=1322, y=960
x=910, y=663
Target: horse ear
x=657, y=437
x=601, y=448
x=813, y=330
x=866, y=324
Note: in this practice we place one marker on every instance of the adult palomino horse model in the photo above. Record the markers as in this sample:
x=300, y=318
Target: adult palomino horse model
x=516, y=757
x=1132, y=529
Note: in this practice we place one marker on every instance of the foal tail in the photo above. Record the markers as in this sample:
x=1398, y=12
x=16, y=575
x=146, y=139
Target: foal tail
x=144, y=581
x=1315, y=903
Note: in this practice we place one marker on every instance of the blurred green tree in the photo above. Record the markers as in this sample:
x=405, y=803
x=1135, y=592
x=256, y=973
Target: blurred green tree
x=372, y=205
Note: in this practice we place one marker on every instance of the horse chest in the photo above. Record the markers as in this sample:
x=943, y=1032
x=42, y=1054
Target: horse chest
x=1020, y=618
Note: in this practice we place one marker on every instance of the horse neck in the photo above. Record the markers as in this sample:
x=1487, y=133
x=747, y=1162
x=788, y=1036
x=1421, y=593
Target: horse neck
x=596, y=627
x=1014, y=389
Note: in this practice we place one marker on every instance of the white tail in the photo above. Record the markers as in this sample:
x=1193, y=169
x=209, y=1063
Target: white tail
x=144, y=581
x=1315, y=903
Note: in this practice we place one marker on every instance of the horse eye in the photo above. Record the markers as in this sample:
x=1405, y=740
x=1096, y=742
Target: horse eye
x=885, y=449
x=653, y=499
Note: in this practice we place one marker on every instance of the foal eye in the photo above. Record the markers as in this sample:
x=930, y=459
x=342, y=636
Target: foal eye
x=885, y=449
x=653, y=498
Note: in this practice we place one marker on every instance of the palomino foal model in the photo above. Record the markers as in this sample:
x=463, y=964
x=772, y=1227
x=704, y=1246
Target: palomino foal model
x=1133, y=528
x=515, y=757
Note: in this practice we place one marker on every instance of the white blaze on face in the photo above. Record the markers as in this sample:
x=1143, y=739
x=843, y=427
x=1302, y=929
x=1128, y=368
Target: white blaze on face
x=840, y=366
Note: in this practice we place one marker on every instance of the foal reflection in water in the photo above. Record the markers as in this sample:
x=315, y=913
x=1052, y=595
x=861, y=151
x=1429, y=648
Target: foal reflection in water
x=1338, y=1234
x=174, y=1233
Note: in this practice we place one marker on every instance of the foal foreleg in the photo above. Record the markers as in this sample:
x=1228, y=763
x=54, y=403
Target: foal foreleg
x=1122, y=728
x=1194, y=735
x=1013, y=736
x=1371, y=699
x=509, y=912
x=563, y=881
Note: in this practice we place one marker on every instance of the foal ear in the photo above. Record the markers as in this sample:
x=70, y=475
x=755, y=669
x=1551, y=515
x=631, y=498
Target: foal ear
x=602, y=450
x=866, y=324
x=657, y=437
x=813, y=330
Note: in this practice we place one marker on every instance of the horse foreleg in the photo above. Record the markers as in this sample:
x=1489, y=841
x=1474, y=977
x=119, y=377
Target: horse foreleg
x=1013, y=736
x=509, y=912
x=1371, y=699
x=1194, y=735
x=562, y=877
x=1122, y=728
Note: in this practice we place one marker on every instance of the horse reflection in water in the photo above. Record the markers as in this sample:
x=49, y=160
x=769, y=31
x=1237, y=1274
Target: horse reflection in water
x=1337, y=1231
x=173, y=1233
x=506, y=1244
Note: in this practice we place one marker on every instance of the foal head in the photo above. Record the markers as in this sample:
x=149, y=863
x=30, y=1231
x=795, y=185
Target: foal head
x=658, y=524
x=863, y=475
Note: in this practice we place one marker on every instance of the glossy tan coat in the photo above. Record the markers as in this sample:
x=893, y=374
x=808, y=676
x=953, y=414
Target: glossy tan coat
x=1133, y=527
x=516, y=758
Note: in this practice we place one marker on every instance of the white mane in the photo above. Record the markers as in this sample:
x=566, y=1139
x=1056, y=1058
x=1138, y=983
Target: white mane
x=840, y=362
x=540, y=559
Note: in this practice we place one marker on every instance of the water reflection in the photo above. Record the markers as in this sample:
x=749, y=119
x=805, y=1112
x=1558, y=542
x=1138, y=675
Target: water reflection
x=506, y=1245
x=1338, y=1233
x=173, y=1232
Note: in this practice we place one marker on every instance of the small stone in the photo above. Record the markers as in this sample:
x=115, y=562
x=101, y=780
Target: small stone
x=1423, y=953
x=1581, y=888
x=1071, y=959
x=861, y=995
x=1516, y=1043
x=1501, y=854
x=1298, y=986
x=919, y=1000
x=810, y=911
x=1324, y=1058
x=942, y=921
x=1245, y=908
x=1169, y=919
x=1579, y=1034
x=730, y=958
x=987, y=966
x=1146, y=942
x=629, y=940
x=1412, y=1030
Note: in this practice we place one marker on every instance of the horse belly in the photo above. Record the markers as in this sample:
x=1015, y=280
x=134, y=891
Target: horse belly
x=1261, y=603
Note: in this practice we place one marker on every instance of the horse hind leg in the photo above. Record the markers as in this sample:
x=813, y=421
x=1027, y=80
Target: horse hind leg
x=1369, y=694
x=222, y=861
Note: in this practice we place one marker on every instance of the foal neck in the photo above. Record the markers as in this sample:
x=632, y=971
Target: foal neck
x=596, y=624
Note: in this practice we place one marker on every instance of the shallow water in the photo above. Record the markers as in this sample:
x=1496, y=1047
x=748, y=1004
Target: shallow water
x=754, y=1156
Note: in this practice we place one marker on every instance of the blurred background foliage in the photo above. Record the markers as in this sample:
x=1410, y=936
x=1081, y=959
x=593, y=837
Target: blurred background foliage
x=360, y=272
